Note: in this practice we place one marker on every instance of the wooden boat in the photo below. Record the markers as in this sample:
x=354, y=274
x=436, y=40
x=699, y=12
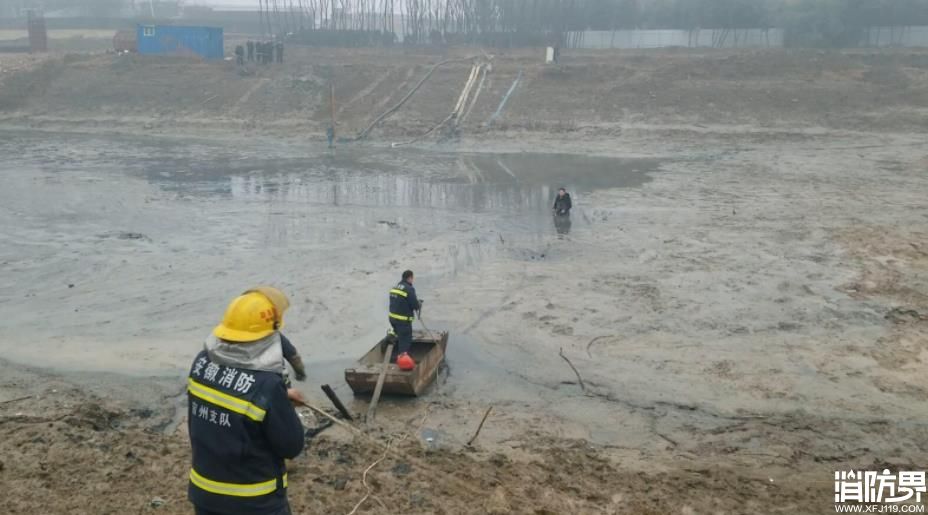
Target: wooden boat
x=428, y=349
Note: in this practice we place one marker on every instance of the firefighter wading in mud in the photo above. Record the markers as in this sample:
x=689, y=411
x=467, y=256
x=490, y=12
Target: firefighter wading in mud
x=242, y=423
x=403, y=304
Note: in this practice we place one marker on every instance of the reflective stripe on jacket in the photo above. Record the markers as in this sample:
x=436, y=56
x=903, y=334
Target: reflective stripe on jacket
x=403, y=302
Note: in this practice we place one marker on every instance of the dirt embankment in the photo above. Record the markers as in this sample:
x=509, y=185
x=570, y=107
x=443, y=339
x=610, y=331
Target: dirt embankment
x=19, y=73
x=64, y=450
x=589, y=94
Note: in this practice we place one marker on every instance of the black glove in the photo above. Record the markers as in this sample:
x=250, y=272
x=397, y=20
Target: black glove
x=299, y=372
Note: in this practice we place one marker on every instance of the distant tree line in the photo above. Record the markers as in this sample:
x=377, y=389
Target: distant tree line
x=840, y=23
x=521, y=22
x=534, y=22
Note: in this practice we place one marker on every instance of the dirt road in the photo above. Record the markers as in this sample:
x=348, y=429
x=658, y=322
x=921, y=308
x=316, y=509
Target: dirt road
x=744, y=303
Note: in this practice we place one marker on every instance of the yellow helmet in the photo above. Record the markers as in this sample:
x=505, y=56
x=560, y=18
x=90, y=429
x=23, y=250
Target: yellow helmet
x=248, y=318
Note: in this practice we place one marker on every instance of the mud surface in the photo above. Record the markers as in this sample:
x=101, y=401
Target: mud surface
x=745, y=305
x=749, y=311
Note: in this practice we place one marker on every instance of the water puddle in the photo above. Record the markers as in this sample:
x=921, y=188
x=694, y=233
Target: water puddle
x=352, y=176
x=477, y=204
x=512, y=183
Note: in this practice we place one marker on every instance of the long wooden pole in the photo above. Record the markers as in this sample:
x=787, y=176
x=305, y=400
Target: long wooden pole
x=377, y=389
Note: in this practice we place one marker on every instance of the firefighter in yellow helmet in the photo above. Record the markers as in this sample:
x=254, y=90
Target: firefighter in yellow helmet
x=281, y=304
x=242, y=424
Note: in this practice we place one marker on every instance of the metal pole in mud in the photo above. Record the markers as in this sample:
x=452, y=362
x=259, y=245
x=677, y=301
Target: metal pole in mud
x=331, y=131
x=332, y=86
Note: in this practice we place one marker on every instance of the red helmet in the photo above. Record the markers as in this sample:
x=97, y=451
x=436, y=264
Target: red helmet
x=405, y=362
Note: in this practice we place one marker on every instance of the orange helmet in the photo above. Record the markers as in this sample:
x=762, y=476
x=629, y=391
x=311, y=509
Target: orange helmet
x=405, y=362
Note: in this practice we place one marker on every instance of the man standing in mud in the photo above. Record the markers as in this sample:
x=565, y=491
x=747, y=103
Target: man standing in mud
x=241, y=421
x=403, y=305
x=562, y=205
x=251, y=51
x=239, y=55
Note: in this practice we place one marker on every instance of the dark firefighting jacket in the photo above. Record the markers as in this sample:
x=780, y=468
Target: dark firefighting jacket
x=403, y=302
x=242, y=426
x=563, y=204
